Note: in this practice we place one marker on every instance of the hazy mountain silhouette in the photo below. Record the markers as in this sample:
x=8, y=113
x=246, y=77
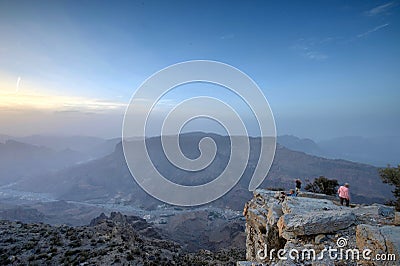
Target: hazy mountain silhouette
x=91, y=147
x=297, y=144
x=108, y=179
x=4, y=137
x=77, y=143
x=20, y=160
x=376, y=151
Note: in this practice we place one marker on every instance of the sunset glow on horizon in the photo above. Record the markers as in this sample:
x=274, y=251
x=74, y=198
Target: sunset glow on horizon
x=328, y=69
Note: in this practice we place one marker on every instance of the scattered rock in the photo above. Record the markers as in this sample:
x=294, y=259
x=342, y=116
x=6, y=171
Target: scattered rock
x=384, y=210
x=117, y=240
x=319, y=238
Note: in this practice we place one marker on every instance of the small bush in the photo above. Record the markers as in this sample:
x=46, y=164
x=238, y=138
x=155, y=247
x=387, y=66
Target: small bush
x=323, y=185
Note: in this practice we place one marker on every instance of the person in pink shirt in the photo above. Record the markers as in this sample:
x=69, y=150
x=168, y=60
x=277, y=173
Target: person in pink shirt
x=344, y=194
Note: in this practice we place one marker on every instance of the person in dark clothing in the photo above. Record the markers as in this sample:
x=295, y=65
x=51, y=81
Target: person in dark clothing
x=298, y=186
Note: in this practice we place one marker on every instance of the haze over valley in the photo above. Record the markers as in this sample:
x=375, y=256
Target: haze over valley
x=278, y=91
x=40, y=184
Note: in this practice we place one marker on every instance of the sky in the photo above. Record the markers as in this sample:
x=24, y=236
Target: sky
x=327, y=68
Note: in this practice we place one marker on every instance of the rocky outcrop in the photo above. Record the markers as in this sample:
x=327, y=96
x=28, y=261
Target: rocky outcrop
x=21, y=213
x=380, y=240
x=138, y=224
x=292, y=225
x=112, y=240
x=206, y=229
x=306, y=227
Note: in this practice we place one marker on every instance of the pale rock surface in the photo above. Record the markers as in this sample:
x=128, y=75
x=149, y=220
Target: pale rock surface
x=315, y=221
x=380, y=240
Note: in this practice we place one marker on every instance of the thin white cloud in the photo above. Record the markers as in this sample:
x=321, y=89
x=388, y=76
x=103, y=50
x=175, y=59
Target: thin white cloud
x=364, y=34
x=311, y=48
x=382, y=9
x=30, y=101
x=314, y=55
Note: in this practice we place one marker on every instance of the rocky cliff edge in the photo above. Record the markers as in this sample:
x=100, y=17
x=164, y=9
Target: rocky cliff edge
x=313, y=229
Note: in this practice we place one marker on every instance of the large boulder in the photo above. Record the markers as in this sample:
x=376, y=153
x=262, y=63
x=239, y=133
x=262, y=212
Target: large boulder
x=368, y=236
x=303, y=205
x=293, y=225
x=383, y=241
x=391, y=234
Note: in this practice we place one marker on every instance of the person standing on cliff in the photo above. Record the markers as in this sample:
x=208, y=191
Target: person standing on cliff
x=298, y=186
x=344, y=194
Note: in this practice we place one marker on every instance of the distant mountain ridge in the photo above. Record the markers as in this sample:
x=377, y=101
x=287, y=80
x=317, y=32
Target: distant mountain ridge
x=20, y=160
x=83, y=189
x=92, y=147
x=108, y=179
x=297, y=144
x=376, y=151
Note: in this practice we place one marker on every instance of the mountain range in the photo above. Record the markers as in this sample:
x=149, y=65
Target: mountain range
x=36, y=155
x=108, y=179
x=76, y=188
x=377, y=151
x=20, y=160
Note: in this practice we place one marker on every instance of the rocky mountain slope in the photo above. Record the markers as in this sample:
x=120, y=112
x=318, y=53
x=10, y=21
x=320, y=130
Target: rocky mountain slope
x=208, y=229
x=108, y=179
x=113, y=240
x=304, y=229
x=193, y=229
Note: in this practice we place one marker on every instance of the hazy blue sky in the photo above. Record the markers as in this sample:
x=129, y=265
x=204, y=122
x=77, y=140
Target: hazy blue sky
x=327, y=68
